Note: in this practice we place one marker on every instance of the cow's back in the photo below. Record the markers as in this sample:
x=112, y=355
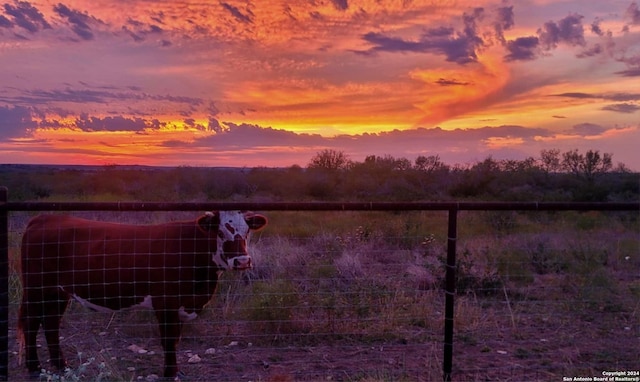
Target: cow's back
x=114, y=264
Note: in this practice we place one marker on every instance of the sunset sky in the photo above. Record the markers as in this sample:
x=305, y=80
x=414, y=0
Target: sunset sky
x=271, y=83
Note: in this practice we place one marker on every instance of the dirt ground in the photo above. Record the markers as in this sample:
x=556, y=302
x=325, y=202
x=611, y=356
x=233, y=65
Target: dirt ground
x=495, y=340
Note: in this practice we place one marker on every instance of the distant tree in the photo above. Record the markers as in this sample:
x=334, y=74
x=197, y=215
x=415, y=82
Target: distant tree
x=587, y=165
x=478, y=180
x=331, y=160
x=622, y=168
x=402, y=164
x=387, y=163
x=550, y=160
x=514, y=165
x=429, y=164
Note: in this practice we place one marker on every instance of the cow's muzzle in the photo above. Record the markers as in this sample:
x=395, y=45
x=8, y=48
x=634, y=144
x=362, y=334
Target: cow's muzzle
x=242, y=263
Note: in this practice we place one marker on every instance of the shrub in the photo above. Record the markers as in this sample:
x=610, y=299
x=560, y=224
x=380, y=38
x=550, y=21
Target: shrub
x=270, y=309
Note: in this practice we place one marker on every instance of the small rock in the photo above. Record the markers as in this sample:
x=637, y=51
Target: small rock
x=233, y=343
x=210, y=351
x=194, y=359
x=137, y=349
x=131, y=368
x=501, y=352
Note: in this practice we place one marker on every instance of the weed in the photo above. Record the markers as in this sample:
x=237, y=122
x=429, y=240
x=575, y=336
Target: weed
x=79, y=374
x=270, y=308
x=473, y=273
x=545, y=260
x=599, y=292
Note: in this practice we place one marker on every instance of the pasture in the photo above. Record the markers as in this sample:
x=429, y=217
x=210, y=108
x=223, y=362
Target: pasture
x=358, y=296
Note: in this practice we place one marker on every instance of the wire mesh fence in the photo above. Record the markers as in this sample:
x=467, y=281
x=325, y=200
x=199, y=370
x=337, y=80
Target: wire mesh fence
x=360, y=296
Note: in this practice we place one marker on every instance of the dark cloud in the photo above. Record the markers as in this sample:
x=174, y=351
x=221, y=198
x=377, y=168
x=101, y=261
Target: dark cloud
x=459, y=47
x=621, y=97
x=633, y=13
x=522, y=49
x=247, y=136
x=211, y=125
x=26, y=16
x=384, y=43
x=504, y=21
x=97, y=94
x=622, y=108
x=135, y=36
x=5, y=22
x=462, y=46
x=235, y=12
x=40, y=96
x=341, y=5
x=439, y=32
x=78, y=21
x=586, y=129
x=594, y=50
x=595, y=27
x=634, y=72
x=139, y=31
x=618, y=97
x=575, y=95
x=568, y=30
x=214, y=125
x=450, y=82
x=117, y=123
x=631, y=60
x=15, y=121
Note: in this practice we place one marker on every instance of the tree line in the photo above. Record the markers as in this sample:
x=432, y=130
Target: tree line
x=332, y=175
x=553, y=176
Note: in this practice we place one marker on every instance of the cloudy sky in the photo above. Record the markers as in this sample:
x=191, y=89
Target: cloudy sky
x=270, y=83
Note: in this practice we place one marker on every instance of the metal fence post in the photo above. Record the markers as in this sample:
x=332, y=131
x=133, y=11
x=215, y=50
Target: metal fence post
x=450, y=291
x=4, y=287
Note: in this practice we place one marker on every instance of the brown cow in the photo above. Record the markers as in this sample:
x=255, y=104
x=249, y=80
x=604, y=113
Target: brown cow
x=172, y=268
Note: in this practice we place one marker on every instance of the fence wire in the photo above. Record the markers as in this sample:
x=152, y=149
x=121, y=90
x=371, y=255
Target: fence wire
x=359, y=296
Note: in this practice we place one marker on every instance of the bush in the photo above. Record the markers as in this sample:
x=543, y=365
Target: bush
x=270, y=309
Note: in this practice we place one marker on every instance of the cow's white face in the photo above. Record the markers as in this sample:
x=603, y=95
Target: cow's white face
x=233, y=229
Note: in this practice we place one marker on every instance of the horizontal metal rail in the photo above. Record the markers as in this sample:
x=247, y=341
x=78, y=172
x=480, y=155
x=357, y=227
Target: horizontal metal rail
x=320, y=206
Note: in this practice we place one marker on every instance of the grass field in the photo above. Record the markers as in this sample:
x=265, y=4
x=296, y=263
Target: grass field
x=356, y=296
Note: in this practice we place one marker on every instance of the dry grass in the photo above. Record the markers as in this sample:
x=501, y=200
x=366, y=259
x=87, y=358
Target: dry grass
x=369, y=286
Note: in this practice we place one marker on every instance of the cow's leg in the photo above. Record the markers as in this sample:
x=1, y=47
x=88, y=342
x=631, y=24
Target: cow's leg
x=53, y=310
x=29, y=319
x=170, y=327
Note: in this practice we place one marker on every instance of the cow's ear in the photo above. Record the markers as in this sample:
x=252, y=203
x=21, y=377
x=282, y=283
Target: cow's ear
x=209, y=222
x=255, y=221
